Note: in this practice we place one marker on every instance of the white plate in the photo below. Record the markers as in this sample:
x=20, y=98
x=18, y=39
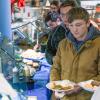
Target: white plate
x=96, y=95
x=63, y=83
x=83, y=85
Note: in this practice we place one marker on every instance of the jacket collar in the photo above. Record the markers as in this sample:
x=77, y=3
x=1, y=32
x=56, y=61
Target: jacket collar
x=92, y=34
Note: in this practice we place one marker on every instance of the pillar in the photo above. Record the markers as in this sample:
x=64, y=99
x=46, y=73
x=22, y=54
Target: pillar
x=5, y=18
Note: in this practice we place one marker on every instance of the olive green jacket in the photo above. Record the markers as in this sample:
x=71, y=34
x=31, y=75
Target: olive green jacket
x=77, y=65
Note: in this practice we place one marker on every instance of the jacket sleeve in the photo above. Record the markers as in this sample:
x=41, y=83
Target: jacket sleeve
x=55, y=73
x=98, y=62
x=49, y=51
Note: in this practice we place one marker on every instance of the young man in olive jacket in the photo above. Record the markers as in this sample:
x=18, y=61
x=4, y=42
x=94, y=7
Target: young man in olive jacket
x=78, y=55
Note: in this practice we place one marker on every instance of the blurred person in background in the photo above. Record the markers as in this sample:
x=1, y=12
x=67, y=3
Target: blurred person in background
x=58, y=30
x=94, y=23
x=54, y=6
x=64, y=8
x=97, y=15
x=20, y=3
x=78, y=55
x=56, y=34
x=95, y=18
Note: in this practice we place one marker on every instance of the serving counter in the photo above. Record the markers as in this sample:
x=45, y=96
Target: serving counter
x=35, y=85
x=41, y=78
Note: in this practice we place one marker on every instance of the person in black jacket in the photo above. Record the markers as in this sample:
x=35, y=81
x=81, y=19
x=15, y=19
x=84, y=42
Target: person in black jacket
x=56, y=34
x=59, y=32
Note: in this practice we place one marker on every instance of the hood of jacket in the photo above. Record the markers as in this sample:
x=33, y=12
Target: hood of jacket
x=92, y=34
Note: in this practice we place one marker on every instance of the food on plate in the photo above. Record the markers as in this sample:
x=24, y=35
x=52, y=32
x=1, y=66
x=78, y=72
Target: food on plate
x=93, y=84
x=88, y=85
x=35, y=64
x=52, y=85
x=32, y=54
x=29, y=62
x=60, y=86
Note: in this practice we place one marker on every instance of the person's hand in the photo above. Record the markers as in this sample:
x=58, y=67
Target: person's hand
x=76, y=90
x=36, y=47
x=59, y=94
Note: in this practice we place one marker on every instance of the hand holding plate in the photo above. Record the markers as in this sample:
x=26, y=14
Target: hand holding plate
x=75, y=90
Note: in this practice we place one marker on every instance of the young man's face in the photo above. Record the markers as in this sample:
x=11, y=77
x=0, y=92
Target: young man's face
x=53, y=8
x=79, y=29
x=63, y=14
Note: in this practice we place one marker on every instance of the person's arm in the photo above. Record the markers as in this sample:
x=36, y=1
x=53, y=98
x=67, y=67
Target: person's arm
x=97, y=78
x=49, y=53
x=49, y=57
x=55, y=37
x=55, y=73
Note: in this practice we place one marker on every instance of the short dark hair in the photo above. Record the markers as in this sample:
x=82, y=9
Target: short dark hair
x=52, y=16
x=68, y=3
x=55, y=2
x=77, y=13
